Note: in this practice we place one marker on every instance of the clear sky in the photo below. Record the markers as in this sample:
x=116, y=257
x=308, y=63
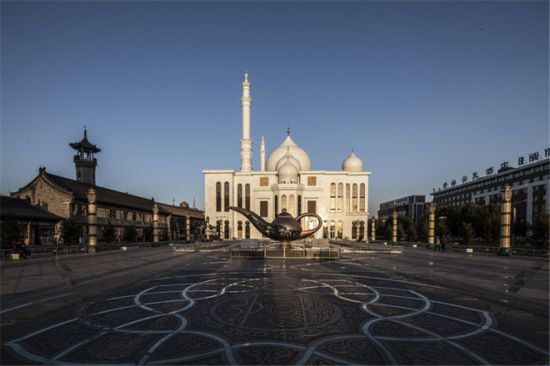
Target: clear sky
x=425, y=92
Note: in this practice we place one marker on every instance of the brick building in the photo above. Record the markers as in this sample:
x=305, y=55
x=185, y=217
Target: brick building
x=68, y=199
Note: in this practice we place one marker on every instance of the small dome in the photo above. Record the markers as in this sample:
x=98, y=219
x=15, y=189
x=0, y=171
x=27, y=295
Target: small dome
x=288, y=146
x=352, y=163
x=288, y=173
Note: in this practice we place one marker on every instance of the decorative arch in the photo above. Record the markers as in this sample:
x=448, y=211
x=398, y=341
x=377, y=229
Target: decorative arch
x=226, y=196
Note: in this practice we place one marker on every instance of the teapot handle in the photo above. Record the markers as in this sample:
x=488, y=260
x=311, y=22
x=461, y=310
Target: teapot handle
x=305, y=234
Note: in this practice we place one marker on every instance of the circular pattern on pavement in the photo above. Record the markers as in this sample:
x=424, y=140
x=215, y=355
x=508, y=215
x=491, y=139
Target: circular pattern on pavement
x=267, y=318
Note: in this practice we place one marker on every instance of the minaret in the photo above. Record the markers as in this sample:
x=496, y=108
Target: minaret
x=84, y=159
x=246, y=142
x=262, y=156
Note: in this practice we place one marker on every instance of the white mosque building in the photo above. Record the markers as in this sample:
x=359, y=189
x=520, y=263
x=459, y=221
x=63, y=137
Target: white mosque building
x=286, y=182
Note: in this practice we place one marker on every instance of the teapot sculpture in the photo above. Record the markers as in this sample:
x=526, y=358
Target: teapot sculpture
x=284, y=228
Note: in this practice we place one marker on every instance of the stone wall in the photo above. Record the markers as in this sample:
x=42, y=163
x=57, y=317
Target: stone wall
x=49, y=198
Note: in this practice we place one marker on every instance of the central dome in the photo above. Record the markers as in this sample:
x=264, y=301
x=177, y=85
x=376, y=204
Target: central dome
x=294, y=150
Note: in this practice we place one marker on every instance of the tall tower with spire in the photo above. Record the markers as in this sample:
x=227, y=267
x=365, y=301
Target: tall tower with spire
x=84, y=160
x=246, y=142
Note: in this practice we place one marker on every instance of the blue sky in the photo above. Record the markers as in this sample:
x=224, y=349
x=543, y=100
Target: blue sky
x=424, y=92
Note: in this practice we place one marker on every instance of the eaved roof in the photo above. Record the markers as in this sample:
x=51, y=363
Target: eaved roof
x=103, y=195
x=116, y=198
x=180, y=211
x=85, y=145
x=20, y=209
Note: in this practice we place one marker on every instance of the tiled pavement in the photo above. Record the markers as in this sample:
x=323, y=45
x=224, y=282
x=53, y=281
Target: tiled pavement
x=150, y=306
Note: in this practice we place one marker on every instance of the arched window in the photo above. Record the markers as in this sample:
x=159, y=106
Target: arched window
x=247, y=196
x=226, y=196
x=354, y=230
x=226, y=230
x=247, y=230
x=299, y=205
x=240, y=195
x=333, y=196
x=362, y=198
x=283, y=202
x=218, y=196
x=291, y=205
x=340, y=197
x=354, y=198
x=332, y=233
x=340, y=228
x=276, y=205
x=347, y=209
x=240, y=229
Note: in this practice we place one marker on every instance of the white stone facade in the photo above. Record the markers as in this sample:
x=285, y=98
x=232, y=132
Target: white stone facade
x=340, y=198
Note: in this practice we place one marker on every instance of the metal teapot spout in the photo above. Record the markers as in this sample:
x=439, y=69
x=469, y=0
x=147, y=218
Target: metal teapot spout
x=259, y=223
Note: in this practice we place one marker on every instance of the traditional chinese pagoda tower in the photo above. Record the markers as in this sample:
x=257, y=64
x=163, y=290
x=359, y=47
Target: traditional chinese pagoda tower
x=84, y=160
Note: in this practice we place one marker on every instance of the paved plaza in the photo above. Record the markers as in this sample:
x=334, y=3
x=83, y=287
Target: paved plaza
x=151, y=306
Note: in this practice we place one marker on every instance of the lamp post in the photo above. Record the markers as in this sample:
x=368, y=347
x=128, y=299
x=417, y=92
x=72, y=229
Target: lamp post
x=207, y=229
x=394, y=227
x=155, y=223
x=187, y=229
x=373, y=229
x=92, y=220
x=431, y=225
x=505, y=217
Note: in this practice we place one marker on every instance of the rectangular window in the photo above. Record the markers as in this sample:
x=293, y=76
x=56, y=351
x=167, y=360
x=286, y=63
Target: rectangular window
x=264, y=181
x=311, y=181
x=312, y=206
x=264, y=208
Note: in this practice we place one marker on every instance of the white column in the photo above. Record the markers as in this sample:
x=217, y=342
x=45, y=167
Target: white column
x=262, y=156
x=155, y=223
x=246, y=142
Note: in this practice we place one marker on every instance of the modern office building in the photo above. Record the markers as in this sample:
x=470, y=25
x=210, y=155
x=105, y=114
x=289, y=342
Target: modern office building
x=529, y=182
x=410, y=206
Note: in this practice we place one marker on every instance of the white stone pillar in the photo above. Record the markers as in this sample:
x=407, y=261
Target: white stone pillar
x=262, y=156
x=431, y=225
x=505, y=213
x=373, y=229
x=92, y=219
x=394, y=227
x=246, y=142
x=155, y=223
x=187, y=228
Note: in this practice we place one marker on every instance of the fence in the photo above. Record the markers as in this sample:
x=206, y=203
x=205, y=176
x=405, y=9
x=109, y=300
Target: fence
x=202, y=247
x=285, y=253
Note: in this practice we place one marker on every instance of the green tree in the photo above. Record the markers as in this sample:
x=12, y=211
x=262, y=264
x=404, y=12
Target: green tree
x=422, y=227
x=109, y=234
x=519, y=228
x=408, y=227
x=71, y=232
x=130, y=234
x=442, y=231
x=539, y=229
x=467, y=232
x=387, y=229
